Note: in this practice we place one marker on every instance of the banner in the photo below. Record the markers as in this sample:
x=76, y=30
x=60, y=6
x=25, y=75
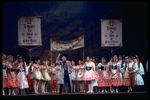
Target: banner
x=29, y=31
x=111, y=32
x=67, y=45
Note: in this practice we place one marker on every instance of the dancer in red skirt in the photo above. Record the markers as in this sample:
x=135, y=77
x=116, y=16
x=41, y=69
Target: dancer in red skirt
x=126, y=78
x=12, y=75
x=115, y=77
x=5, y=81
x=53, y=78
x=30, y=81
x=103, y=75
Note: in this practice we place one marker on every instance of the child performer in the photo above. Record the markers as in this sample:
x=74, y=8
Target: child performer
x=73, y=76
x=31, y=82
x=37, y=76
x=58, y=76
x=103, y=75
x=89, y=74
x=46, y=76
x=53, y=78
x=115, y=77
x=79, y=75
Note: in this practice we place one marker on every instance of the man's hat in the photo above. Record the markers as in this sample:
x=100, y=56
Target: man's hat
x=64, y=55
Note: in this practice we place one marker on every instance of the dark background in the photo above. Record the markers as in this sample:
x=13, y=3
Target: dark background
x=66, y=20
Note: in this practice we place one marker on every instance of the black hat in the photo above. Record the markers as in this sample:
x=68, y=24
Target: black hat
x=64, y=55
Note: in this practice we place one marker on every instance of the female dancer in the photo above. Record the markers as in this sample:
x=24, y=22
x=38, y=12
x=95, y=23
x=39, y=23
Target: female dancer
x=79, y=75
x=12, y=78
x=22, y=75
x=73, y=76
x=103, y=75
x=89, y=74
x=139, y=73
x=45, y=76
x=31, y=82
x=5, y=81
x=36, y=75
x=115, y=77
x=126, y=78
x=53, y=78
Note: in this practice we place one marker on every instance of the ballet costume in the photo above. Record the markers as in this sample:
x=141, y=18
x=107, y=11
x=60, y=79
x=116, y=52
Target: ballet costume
x=53, y=80
x=126, y=78
x=73, y=78
x=115, y=77
x=5, y=80
x=45, y=79
x=103, y=80
x=89, y=74
x=23, y=82
x=79, y=77
x=12, y=78
x=36, y=76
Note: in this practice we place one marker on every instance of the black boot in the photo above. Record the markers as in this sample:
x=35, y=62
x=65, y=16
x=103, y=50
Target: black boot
x=61, y=87
x=19, y=92
x=27, y=92
x=69, y=89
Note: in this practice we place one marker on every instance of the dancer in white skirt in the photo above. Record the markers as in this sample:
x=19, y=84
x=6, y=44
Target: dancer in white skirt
x=139, y=73
x=89, y=75
x=79, y=75
x=73, y=76
x=46, y=76
x=37, y=76
x=23, y=82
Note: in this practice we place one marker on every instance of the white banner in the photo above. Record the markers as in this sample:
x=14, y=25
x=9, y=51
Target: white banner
x=111, y=32
x=67, y=45
x=29, y=31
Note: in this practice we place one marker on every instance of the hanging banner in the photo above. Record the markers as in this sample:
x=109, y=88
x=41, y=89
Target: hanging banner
x=67, y=45
x=111, y=32
x=29, y=31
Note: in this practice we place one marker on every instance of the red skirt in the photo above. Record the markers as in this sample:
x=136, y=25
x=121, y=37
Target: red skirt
x=5, y=83
x=53, y=83
x=116, y=81
x=16, y=82
x=126, y=81
x=102, y=82
x=30, y=82
x=10, y=81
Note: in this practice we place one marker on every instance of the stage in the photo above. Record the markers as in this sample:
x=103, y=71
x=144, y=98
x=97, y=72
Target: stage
x=123, y=95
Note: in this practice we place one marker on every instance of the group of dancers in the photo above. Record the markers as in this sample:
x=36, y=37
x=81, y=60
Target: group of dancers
x=64, y=75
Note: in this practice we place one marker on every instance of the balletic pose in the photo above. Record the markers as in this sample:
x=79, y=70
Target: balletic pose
x=46, y=76
x=65, y=70
x=36, y=76
x=79, y=75
x=73, y=76
x=89, y=74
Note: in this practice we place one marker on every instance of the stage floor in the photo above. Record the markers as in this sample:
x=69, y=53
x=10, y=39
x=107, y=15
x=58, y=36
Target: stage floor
x=124, y=95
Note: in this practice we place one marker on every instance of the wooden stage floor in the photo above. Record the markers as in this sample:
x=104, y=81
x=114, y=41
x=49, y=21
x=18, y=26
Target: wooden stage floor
x=120, y=95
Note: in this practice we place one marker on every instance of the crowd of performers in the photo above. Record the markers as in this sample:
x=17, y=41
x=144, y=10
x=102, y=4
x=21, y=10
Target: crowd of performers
x=64, y=76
